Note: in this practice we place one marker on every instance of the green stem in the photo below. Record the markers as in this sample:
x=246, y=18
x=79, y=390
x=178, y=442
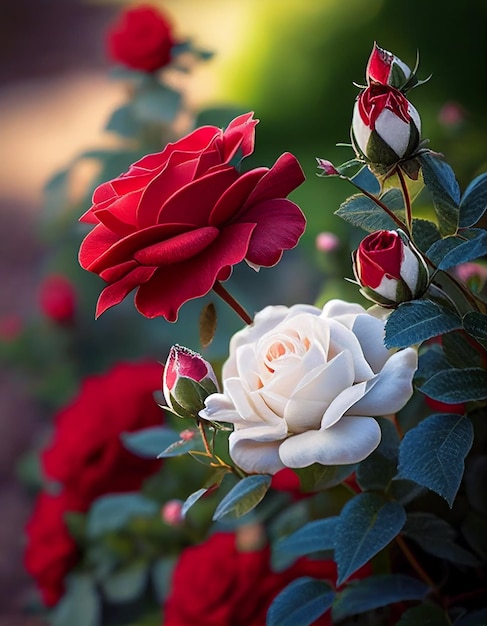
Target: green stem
x=220, y=290
x=407, y=199
x=204, y=438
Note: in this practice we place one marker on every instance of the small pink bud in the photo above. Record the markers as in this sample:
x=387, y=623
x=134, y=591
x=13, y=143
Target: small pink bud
x=327, y=167
x=451, y=115
x=171, y=513
x=187, y=435
x=327, y=242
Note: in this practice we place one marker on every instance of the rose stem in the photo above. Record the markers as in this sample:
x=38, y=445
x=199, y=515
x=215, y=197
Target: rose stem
x=205, y=438
x=407, y=199
x=219, y=289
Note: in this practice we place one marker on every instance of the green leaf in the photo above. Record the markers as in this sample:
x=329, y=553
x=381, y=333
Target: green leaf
x=79, y=606
x=426, y=615
x=374, y=592
x=243, y=497
x=435, y=536
x=113, y=511
x=161, y=577
x=218, y=116
x=440, y=180
x=457, y=385
x=476, y=326
x=366, y=524
x=318, y=477
x=425, y=233
x=432, y=454
x=190, y=500
x=127, y=584
x=460, y=349
x=365, y=179
x=415, y=321
x=148, y=442
x=207, y=324
x=182, y=446
x=363, y=212
x=302, y=602
x=455, y=249
x=378, y=469
x=474, y=202
x=156, y=103
x=315, y=536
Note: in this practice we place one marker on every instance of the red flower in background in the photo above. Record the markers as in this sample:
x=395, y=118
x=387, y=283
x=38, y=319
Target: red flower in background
x=86, y=454
x=51, y=552
x=141, y=39
x=178, y=220
x=216, y=585
x=57, y=299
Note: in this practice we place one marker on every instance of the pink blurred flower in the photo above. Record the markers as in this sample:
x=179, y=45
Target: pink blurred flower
x=57, y=299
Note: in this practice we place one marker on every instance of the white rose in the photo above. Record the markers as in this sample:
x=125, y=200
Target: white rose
x=301, y=386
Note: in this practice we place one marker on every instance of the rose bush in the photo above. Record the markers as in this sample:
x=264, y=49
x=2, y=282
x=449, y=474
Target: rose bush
x=51, y=552
x=301, y=385
x=141, y=39
x=177, y=221
x=86, y=454
x=216, y=584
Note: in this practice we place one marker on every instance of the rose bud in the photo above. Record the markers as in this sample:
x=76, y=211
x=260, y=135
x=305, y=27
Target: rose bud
x=386, y=128
x=389, y=268
x=187, y=381
x=386, y=68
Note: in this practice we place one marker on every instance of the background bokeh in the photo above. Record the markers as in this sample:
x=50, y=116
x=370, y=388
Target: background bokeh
x=293, y=62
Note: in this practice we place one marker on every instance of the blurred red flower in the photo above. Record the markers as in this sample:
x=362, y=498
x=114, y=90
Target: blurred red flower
x=51, y=552
x=57, y=298
x=177, y=221
x=141, y=39
x=215, y=584
x=86, y=454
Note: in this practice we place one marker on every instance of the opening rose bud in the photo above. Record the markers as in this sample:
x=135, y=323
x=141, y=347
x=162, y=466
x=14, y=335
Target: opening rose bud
x=389, y=268
x=187, y=381
x=386, y=68
x=386, y=128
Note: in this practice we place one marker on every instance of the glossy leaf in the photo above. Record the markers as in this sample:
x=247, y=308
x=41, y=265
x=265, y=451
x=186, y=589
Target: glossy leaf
x=425, y=233
x=476, y=326
x=301, y=602
x=474, y=202
x=432, y=454
x=365, y=179
x=456, y=385
x=148, y=442
x=127, y=584
x=374, y=592
x=440, y=180
x=243, y=497
x=318, y=477
x=363, y=212
x=315, y=536
x=455, y=249
x=190, y=500
x=365, y=526
x=415, y=321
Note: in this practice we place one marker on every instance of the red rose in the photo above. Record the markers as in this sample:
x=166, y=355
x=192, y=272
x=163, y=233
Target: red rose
x=141, y=39
x=57, y=299
x=216, y=585
x=86, y=454
x=51, y=552
x=178, y=220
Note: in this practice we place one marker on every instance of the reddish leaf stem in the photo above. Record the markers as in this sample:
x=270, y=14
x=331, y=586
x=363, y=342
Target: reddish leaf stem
x=220, y=290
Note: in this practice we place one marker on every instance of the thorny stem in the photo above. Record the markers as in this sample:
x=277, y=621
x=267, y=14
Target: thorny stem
x=220, y=290
x=204, y=437
x=210, y=454
x=415, y=564
x=407, y=198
